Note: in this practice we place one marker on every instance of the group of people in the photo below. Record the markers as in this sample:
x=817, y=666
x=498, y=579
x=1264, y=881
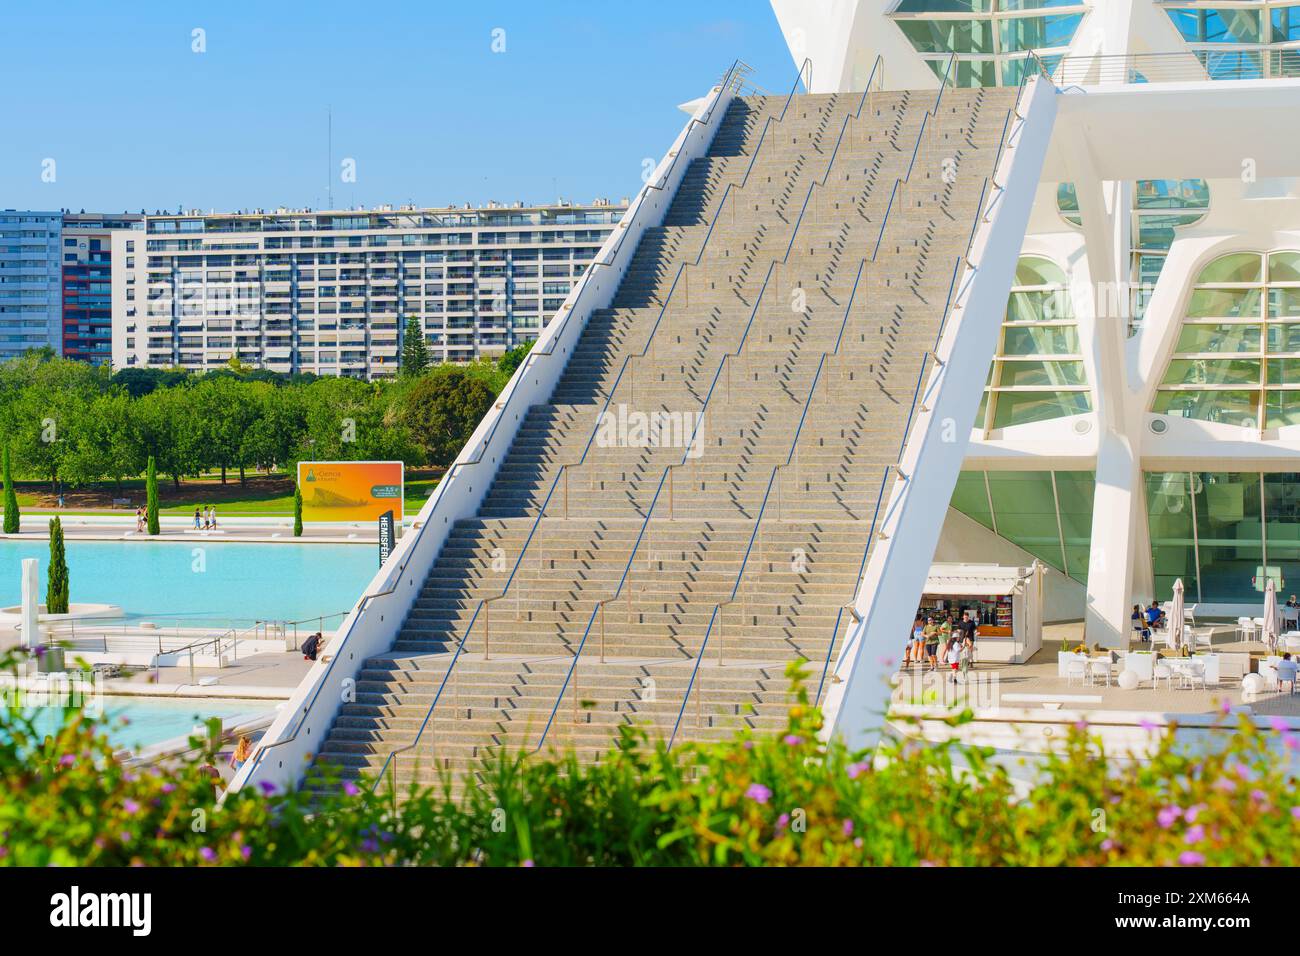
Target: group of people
x=940, y=639
x=205, y=519
x=1147, y=619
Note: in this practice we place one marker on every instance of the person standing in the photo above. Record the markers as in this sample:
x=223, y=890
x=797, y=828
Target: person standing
x=932, y=643
x=212, y=513
x=197, y=523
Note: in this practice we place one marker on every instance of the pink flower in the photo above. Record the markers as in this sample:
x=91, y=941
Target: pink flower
x=1278, y=724
x=1167, y=816
x=782, y=821
x=758, y=793
x=1194, y=834
x=1295, y=812
x=1191, y=858
x=858, y=769
x=1146, y=724
x=130, y=806
x=848, y=827
x=350, y=788
x=208, y=854
x=527, y=863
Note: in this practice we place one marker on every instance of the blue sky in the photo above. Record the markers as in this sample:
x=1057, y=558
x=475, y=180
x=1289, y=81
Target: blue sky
x=584, y=92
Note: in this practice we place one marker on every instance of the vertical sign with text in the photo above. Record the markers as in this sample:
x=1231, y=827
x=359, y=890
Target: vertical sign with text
x=386, y=531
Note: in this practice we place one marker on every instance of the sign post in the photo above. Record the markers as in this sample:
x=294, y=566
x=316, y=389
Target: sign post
x=385, y=536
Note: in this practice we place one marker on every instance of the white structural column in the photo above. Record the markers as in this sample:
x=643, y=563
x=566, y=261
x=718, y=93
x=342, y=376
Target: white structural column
x=1115, y=505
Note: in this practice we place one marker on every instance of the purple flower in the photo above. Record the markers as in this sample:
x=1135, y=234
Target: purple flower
x=1146, y=724
x=208, y=854
x=1167, y=816
x=168, y=787
x=758, y=793
x=1080, y=725
x=1107, y=845
x=1278, y=724
x=527, y=863
x=1194, y=834
x=268, y=787
x=1223, y=783
x=1290, y=740
x=782, y=821
x=39, y=651
x=1191, y=858
x=130, y=806
x=857, y=769
x=67, y=760
x=350, y=788
x=246, y=852
x=1259, y=796
x=369, y=845
x=792, y=740
x=1295, y=812
x=1193, y=812
x=857, y=842
x=125, y=836
x=848, y=827
x=749, y=745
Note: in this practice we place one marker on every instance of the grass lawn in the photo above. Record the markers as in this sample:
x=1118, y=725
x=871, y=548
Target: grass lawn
x=262, y=496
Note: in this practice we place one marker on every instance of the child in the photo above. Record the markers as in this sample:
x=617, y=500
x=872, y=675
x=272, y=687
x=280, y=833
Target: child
x=967, y=653
x=953, y=656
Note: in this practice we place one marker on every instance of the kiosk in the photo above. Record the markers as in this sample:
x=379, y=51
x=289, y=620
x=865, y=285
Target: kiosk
x=1008, y=604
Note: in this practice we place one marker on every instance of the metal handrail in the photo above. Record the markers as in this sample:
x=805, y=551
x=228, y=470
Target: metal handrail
x=807, y=404
x=632, y=556
x=950, y=304
x=460, y=645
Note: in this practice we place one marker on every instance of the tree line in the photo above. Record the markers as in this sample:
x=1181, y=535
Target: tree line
x=72, y=423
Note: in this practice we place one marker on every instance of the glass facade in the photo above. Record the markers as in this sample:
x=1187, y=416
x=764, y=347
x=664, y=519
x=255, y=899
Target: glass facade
x=1047, y=513
x=1241, y=40
x=992, y=38
x=1237, y=357
x=1224, y=533
x=1160, y=206
x=1037, y=372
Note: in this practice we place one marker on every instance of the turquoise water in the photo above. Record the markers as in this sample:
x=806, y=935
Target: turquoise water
x=211, y=582
x=152, y=721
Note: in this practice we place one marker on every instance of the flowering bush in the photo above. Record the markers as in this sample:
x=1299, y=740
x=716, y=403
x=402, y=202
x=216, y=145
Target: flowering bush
x=784, y=799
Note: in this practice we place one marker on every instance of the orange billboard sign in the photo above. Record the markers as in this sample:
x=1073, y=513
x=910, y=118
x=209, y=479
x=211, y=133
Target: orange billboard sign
x=350, y=490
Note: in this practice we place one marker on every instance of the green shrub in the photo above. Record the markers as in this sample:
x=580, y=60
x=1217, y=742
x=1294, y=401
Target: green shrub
x=151, y=497
x=782, y=799
x=12, y=518
x=57, y=586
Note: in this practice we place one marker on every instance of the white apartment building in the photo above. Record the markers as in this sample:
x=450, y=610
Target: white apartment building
x=330, y=292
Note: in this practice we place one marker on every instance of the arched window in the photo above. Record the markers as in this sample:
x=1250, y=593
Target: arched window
x=992, y=38
x=1038, y=372
x=1237, y=358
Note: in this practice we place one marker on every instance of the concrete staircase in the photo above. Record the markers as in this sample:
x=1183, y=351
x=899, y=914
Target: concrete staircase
x=646, y=533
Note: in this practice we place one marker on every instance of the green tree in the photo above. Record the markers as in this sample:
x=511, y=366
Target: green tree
x=442, y=410
x=513, y=358
x=56, y=590
x=11, y=498
x=151, y=496
x=297, y=511
x=415, y=349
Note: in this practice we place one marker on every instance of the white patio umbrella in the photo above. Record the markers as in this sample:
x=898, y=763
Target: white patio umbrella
x=1176, y=617
x=1270, y=614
